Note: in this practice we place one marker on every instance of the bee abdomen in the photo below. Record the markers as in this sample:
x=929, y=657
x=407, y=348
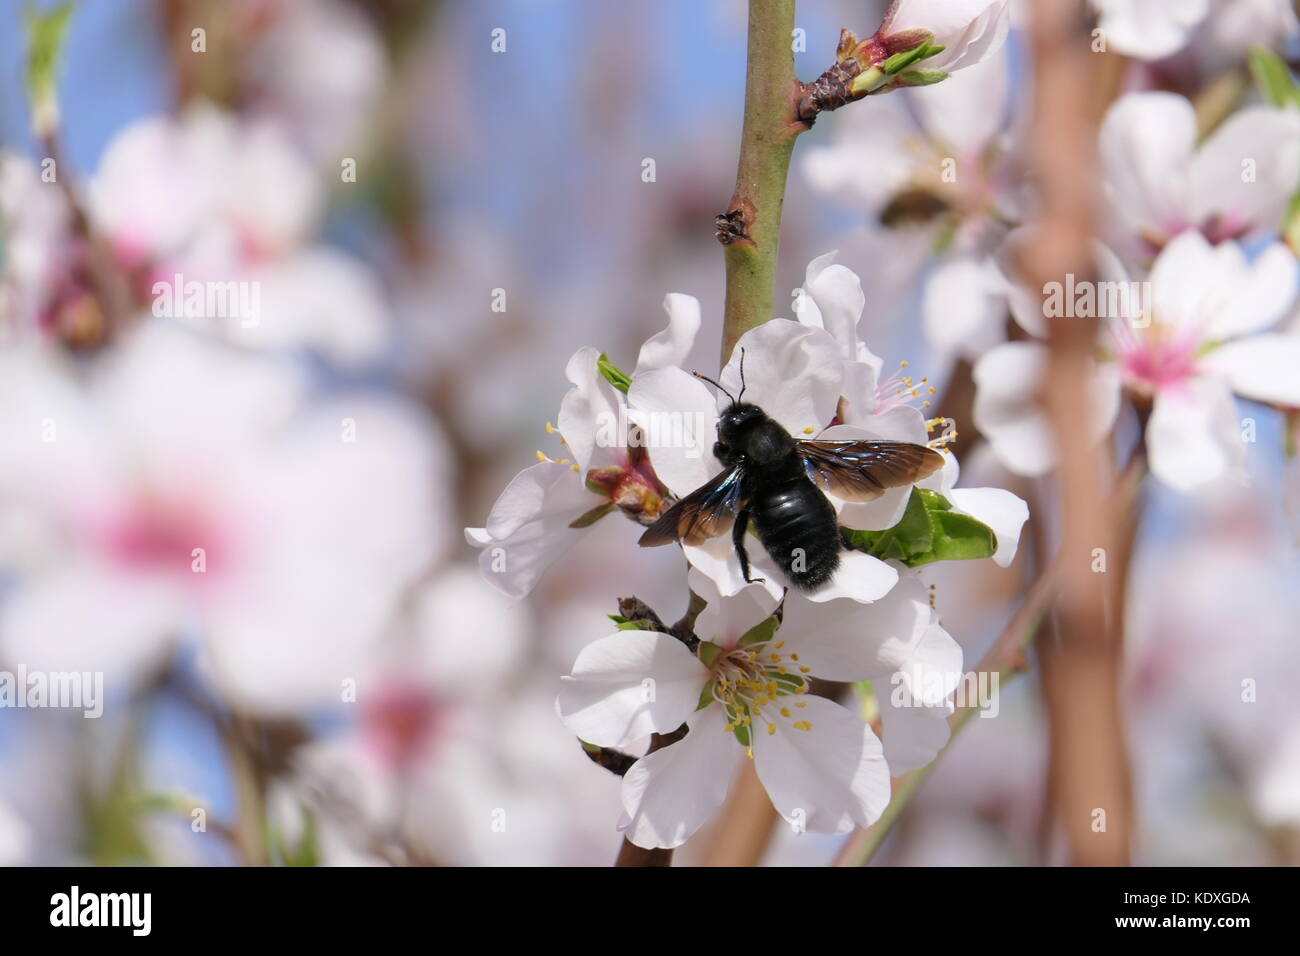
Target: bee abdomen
x=798, y=527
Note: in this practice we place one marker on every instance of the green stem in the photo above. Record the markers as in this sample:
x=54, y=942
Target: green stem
x=752, y=236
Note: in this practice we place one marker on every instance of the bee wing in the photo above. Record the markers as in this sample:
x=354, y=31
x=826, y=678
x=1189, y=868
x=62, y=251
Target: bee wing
x=861, y=470
x=707, y=512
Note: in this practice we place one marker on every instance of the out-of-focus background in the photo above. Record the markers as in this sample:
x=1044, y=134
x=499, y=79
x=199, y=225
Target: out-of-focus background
x=437, y=204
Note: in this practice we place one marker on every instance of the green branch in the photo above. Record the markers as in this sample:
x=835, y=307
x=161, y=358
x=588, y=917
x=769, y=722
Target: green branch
x=750, y=230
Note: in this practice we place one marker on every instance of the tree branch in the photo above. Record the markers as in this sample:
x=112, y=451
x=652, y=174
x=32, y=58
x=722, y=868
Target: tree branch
x=750, y=229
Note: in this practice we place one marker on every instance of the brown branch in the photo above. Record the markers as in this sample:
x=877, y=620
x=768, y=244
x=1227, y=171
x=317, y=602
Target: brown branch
x=1088, y=766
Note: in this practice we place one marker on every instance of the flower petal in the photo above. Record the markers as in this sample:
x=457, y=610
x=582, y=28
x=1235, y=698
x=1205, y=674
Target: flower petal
x=829, y=773
x=846, y=640
x=1243, y=176
x=671, y=793
x=725, y=620
x=1193, y=436
x=792, y=372
x=671, y=402
x=673, y=344
x=630, y=685
x=590, y=419
x=1147, y=141
x=528, y=527
x=998, y=508
x=1265, y=368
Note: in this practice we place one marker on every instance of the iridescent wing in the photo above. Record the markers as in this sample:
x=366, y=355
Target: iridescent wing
x=861, y=470
x=705, y=513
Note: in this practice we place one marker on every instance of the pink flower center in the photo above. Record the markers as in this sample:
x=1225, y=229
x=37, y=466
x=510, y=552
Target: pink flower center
x=400, y=722
x=151, y=533
x=1156, y=361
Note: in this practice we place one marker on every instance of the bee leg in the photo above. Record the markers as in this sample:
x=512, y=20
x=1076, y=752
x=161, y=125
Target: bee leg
x=738, y=539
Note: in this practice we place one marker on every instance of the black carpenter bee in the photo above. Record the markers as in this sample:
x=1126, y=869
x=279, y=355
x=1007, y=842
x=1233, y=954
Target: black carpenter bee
x=780, y=483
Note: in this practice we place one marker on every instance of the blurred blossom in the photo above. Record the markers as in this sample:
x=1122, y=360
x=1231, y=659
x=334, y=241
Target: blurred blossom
x=192, y=487
x=319, y=71
x=1149, y=29
x=1200, y=336
x=36, y=282
x=1158, y=181
x=938, y=161
x=210, y=199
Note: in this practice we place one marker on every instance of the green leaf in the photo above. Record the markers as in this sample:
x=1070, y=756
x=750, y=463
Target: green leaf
x=592, y=516
x=929, y=531
x=706, y=696
x=1273, y=77
x=707, y=652
x=613, y=374
x=922, y=77
x=759, y=632
x=901, y=61
x=46, y=33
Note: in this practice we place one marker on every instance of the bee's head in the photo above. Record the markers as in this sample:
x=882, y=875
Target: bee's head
x=735, y=418
x=739, y=413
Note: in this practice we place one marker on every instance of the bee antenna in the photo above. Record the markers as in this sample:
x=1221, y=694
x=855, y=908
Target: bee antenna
x=715, y=385
x=742, y=375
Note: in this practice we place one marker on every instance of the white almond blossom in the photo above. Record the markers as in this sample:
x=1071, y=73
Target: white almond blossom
x=224, y=202
x=794, y=373
x=1159, y=181
x=532, y=523
x=744, y=691
x=180, y=488
x=1203, y=338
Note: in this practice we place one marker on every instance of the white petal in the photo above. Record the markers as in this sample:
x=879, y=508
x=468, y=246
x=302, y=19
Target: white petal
x=1265, y=368
x=716, y=559
x=998, y=508
x=671, y=793
x=912, y=736
x=929, y=669
x=846, y=640
x=827, y=778
x=673, y=344
x=90, y=616
x=590, y=418
x=1006, y=409
x=792, y=372
x=1258, y=295
x=1147, y=142
x=528, y=527
x=1149, y=29
x=964, y=305
x=837, y=293
x=969, y=30
x=678, y=415
x=725, y=620
x=860, y=577
x=630, y=685
x=1243, y=176
x=1193, y=436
